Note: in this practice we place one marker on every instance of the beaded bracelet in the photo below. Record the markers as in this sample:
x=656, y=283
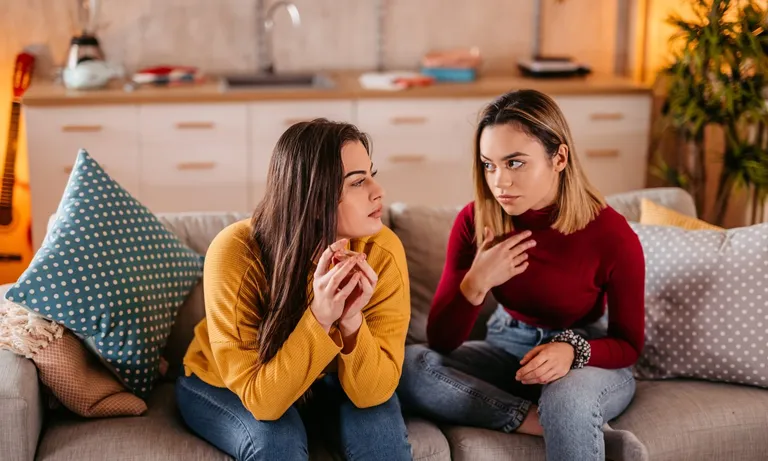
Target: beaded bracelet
x=580, y=346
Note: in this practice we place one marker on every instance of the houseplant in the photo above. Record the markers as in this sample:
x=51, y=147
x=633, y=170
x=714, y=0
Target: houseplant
x=717, y=76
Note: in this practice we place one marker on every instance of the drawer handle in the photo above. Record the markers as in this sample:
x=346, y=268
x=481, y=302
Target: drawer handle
x=407, y=158
x=408, y=120
x=602, y=152
x=81, y=128
x=195, y=125
x=187, y=166
x=603, y=116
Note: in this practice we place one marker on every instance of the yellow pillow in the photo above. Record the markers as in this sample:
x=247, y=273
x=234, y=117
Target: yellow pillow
x=655, y=214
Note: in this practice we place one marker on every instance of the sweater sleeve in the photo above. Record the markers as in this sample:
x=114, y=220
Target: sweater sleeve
x=452, y=316
x=369, y=374
x=232, y=285
x=625, y=290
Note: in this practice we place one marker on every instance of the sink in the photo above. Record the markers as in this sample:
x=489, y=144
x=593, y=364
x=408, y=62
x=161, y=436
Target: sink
x=276, y=81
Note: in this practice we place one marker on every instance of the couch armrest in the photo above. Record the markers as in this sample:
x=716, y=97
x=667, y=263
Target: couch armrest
x=21, y=408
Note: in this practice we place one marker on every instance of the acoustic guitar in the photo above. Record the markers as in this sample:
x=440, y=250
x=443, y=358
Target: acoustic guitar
x=15, y=205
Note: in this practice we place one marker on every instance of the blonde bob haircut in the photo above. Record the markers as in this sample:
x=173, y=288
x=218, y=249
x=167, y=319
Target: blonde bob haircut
x=537, y=115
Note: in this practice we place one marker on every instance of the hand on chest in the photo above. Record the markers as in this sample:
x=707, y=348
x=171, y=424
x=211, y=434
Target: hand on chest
x=562, y=270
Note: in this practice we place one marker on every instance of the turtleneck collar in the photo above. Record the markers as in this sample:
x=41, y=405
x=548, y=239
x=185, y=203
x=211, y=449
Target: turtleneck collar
x=536, y=219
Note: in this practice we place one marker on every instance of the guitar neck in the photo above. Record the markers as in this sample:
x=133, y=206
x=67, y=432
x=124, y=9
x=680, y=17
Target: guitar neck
x=9, y=169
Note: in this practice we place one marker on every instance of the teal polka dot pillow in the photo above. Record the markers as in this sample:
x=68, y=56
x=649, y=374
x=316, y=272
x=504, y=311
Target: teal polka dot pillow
x=112, y=273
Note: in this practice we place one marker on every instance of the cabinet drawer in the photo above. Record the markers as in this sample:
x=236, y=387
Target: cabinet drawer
x=392, y=152
x=270, y=119
x=415, y=118
x=109, y=134
x=614, y=164
x=607, y=115
x=194, y=157
x=194, y=144
x=192, y=123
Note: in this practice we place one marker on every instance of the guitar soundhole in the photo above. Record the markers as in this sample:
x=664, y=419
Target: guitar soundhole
x=6, y=216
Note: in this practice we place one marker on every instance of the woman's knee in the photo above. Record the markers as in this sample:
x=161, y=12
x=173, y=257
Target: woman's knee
x=569, y=410
x=376, y=433
x=586, y=396
x=284, y=438
x=415, y=372
x=219, y=417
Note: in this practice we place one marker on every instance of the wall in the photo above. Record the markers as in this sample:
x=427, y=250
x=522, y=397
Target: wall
x=219, y=36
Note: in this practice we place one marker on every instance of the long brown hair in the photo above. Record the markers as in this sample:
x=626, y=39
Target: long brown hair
x=537, y=115
x=296, y=219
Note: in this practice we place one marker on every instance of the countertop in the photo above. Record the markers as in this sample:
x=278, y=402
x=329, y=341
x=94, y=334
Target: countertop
x=346, y=86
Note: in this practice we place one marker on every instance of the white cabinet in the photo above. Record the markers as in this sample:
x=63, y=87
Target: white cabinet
x=422, y=148
x=618, y=115
x=611, y=136
x=268, y=120
x=110, y=134
x=215, y=156
x=613, y=163
x=194, y=157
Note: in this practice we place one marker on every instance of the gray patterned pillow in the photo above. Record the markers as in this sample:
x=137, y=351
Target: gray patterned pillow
x=706, y=304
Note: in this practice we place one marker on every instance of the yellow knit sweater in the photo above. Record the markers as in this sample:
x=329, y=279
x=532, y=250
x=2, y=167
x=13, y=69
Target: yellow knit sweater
x=224, y=351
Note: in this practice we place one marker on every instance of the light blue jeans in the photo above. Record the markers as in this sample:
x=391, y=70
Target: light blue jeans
x=218, y=416
x=475, y=385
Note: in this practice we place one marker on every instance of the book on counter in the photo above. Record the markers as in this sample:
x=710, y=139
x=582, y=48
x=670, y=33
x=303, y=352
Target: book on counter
x=167, y=75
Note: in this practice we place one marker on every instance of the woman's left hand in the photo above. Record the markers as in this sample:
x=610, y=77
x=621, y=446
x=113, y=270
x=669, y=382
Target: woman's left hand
x=546, y=363
x=360, y=296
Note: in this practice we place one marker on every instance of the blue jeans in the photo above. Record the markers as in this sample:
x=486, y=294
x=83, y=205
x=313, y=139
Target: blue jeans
x=218, y=416
x=475, y=385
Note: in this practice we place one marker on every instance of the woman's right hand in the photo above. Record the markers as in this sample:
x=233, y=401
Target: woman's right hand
x=495, y=264
x=329, y=287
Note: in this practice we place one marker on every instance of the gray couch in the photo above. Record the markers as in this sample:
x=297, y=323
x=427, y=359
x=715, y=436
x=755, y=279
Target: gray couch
x=676, y=419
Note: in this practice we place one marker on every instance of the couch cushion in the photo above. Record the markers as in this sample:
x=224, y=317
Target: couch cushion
x=189, y=315
x=158, y=435
x=197, y=230
x=628, y=203
x=474, y=444
x=705, y=298
x=655, y=214
x=427, y=441
x=161, y=435
x=424, y=232
x=682, y=420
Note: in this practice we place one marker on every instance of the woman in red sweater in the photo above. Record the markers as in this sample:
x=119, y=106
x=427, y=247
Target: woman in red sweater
x=541, y=239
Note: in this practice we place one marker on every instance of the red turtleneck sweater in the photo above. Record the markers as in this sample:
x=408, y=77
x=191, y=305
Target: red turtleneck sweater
x=567, y=283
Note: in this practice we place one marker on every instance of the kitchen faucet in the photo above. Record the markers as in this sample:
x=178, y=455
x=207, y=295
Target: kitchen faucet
x=264, y=25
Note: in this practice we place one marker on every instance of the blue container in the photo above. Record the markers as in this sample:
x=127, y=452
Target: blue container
x=442, y=74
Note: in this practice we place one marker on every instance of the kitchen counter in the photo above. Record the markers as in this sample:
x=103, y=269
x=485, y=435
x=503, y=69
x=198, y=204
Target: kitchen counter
x=346, y=86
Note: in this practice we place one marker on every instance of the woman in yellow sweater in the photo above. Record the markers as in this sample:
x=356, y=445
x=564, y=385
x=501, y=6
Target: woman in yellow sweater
x=293, y=343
